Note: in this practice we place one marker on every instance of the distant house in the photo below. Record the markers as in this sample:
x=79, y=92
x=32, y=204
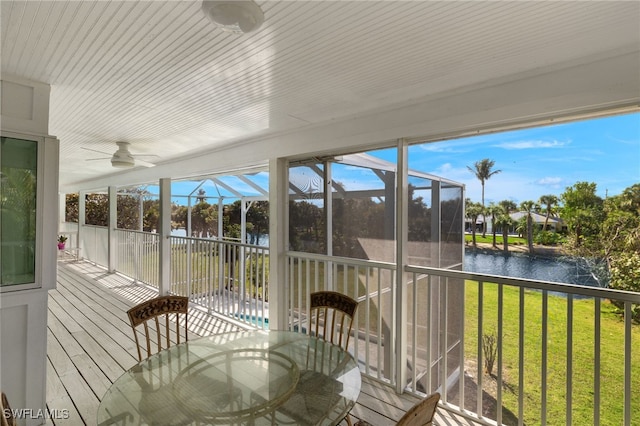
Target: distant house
x=554, y=224
x=479, y=225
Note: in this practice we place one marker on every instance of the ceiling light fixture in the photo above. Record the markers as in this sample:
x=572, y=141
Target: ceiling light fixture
x=122, y=158
x=234, y=16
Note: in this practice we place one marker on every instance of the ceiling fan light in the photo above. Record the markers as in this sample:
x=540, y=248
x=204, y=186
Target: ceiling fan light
x=122, y=158
x=234, y=16
x=122, y=163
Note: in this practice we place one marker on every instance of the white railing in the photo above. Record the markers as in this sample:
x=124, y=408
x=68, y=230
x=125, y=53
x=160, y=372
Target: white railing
x=223, y=276
x=534, y=326
x=370, y=283
x=94, y=241
x=137, y=256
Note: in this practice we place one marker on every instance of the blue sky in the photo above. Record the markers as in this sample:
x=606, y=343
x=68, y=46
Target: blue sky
x=533, y=162
x=542, y=160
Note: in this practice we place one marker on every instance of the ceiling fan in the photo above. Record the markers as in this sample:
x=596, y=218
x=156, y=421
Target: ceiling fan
x=123, y=158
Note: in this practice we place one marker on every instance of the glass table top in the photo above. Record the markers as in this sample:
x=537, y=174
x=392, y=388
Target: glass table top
x=252, y=377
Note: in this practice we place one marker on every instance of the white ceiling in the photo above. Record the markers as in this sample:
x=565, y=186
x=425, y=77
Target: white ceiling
x=159, y=75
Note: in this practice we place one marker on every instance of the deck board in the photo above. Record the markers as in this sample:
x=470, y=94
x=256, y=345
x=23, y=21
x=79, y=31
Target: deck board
x=72, y=380
x=90, y=345
x=59, y=400
x=105, y=336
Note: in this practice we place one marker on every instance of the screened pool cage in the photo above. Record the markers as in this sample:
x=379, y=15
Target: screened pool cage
x=358, y=219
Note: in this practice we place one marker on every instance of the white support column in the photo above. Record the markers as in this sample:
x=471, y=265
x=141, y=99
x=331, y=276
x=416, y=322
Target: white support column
x=188, y=244
x=82, y=218
x=189, y=209
x=113, y=225
x=278, y=243
x=220, y=218
x=140, y=213
x=221, y=246
x=400, y=311
x=244, y=206
x=436, y=220
x=328, y=210
x=437, y=296
x=165, y=236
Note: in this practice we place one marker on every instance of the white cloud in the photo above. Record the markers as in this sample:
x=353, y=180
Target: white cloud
x=457, y=174
x=455, y=146
x=445, y=168
x=442, y=148
x=531, y=144
x=550, y=181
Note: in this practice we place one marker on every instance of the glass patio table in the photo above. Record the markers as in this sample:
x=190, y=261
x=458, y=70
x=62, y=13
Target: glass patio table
x=250, y=377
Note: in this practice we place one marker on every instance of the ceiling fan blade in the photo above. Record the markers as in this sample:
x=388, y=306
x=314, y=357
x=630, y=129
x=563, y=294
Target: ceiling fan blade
x=145, y=155
x=144, y=163
x=95, y=150
x=96, y=159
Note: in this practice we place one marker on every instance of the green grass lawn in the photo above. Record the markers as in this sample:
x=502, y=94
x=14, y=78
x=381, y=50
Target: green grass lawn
x=205, y=271
x=612, y=355
x=489, y=239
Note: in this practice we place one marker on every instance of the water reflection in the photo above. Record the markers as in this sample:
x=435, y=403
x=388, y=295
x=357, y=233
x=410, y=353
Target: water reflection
x=559, y=269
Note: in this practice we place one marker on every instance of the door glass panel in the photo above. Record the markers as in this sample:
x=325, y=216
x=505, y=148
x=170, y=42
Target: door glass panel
x=18, y=177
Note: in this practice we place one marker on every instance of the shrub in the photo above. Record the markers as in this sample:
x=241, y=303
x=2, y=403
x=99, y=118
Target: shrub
x=625, y=275
x=490, y=350
x=547, y=238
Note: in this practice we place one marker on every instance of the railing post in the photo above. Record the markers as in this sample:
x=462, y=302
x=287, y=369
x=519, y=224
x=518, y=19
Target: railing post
x=164, y=248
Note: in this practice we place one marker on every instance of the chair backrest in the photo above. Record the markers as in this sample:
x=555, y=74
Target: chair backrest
x=151, y=311
x=331, y=316
x=6, y=415
x=422, y=413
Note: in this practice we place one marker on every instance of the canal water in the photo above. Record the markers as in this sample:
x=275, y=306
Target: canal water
x=563, y=269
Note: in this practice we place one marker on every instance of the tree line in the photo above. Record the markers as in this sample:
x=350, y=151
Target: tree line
x=204, y=216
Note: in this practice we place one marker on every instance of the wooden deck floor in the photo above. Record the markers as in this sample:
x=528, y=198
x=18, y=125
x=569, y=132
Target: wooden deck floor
x=90, y=345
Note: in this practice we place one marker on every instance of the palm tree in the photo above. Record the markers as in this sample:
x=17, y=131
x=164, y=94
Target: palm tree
x=549, y=202
x=493, y=210
x=508, y=206
x=528, y=206
x=472, y=211
x=482, y=170
x=505, y=220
